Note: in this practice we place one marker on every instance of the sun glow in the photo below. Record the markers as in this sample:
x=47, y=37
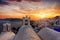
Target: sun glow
x=48, y=13
x=35, y=14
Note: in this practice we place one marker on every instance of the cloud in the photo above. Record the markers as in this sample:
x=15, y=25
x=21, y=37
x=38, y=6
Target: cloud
x=34, y=0
x=18, y=9
x=52, y=0
x=3, y=2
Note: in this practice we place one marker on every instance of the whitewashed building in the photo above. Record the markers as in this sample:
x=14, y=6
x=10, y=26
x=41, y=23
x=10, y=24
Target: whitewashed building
x=7, y=26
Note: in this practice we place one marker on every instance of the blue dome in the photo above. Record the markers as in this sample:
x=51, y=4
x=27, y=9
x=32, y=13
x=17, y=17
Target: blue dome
x=57, y=29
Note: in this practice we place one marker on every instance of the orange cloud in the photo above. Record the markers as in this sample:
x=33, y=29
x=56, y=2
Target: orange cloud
x=35, y=12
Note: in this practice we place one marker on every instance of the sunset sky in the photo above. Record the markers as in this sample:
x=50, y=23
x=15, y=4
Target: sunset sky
x=36, y=9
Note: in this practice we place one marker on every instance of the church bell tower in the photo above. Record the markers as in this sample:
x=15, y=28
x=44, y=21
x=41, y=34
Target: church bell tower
x=26, y=20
